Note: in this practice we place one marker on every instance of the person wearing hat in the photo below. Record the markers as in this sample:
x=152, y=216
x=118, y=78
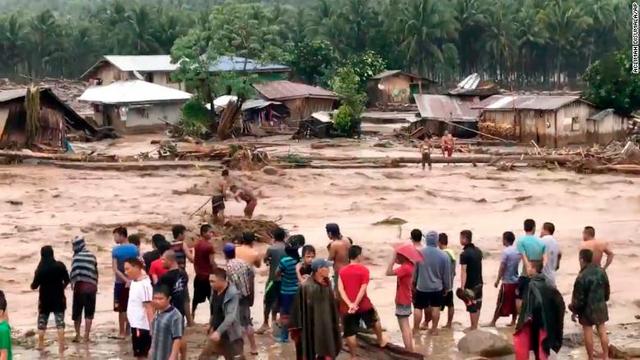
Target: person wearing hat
x=314, y=324
x=404, y=274
x=84, y=282
x=242, y=276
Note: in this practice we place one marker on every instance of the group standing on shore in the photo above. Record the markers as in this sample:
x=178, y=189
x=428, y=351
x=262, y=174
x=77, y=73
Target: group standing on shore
x=308, y=305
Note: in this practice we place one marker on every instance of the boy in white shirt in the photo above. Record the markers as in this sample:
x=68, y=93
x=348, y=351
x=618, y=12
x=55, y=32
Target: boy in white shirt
x=139, y=308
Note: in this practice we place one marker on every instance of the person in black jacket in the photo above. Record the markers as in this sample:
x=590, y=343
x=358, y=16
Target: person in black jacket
x=51, y=278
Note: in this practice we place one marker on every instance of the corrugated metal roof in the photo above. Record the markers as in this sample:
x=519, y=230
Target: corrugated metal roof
x=143, y=63
x=445, y=107
x=133, y=92
x=525, y=102
x=236, y=63
x=601, y=115
x=470, y=82
x=258, y=104
x=9, y=95
x=162, y=63
x=286, y=90
x=388, y=73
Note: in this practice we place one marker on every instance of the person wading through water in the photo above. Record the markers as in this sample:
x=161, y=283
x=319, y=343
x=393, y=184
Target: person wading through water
x=84, y=282
x=51, y=278
x=219, y=197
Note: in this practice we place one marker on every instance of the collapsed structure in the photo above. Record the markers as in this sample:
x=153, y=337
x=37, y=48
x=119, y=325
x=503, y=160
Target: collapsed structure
x=301, y=100
x=36, y=117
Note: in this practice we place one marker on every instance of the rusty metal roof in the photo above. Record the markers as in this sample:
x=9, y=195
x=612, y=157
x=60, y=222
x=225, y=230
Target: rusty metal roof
x=525, y=102
x=287, y=90
x=388, y=73
x=601, y=115
x=445, y=107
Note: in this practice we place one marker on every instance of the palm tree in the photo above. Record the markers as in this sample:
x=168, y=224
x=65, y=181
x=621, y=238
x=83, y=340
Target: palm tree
x=472, y=19
x=142, y=30
x=428, y=25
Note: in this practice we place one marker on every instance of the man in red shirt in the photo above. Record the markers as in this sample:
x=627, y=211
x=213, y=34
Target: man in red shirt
x=355, y=305
x=203, y=264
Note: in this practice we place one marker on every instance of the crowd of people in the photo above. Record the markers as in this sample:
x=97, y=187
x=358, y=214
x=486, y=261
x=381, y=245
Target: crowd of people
x=314, y=302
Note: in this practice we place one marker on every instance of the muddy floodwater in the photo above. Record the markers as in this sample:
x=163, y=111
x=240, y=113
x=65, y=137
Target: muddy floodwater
x=43, y=205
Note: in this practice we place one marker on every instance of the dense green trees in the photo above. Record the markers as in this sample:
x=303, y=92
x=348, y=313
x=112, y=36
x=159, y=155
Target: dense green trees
x=541, y=43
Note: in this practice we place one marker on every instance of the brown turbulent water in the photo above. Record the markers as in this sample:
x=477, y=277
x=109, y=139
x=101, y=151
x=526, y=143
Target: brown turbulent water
x=58, y=204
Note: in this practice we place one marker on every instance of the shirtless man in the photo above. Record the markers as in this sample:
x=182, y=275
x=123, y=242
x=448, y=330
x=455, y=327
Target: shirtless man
x=219, y=196
x=425, y=151
x=246, y=252
x=448, y=143
x=338, y=249
x=598, y=247
x=242, y=193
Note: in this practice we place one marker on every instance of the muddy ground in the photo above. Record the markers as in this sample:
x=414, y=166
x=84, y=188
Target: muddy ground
x=48, y=205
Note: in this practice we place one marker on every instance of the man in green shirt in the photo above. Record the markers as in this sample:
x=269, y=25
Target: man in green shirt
x=5, y=330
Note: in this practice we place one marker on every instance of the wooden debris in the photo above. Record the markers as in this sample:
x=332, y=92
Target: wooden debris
x=391, y=221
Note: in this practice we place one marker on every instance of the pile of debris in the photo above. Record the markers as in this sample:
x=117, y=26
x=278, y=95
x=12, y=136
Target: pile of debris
x=234, y=227
x=615, y=157
x=234, y=156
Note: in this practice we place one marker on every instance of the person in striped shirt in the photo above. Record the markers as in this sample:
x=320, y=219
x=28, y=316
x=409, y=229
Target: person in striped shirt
x=84, y=282
x=288, y=287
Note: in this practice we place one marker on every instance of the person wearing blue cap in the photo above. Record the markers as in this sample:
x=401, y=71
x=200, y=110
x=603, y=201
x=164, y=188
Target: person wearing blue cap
x=433, y=281
x=242, y=276
x=314, y=324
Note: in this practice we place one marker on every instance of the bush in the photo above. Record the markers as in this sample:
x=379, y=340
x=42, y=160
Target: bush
x=345, y=120
x=195, y=119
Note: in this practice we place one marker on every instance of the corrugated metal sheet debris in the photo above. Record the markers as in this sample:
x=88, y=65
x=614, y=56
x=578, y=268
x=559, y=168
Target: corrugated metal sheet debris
x=445, y=107
x=286, y=90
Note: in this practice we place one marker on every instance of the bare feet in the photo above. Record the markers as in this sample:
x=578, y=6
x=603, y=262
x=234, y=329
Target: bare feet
x=433, y=332
x=383, y=343
x=77, y=339
x=491, y=324
x=263, y=329
x=448, y=326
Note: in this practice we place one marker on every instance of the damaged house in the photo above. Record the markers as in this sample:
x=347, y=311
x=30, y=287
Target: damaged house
x=395, y=87
x=54, y=120
x=301, y=100
x=552, y=121
x=135, y=106
x=440, y=113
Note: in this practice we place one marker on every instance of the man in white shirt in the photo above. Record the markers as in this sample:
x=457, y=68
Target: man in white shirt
x=139, y=308
x=552, y=253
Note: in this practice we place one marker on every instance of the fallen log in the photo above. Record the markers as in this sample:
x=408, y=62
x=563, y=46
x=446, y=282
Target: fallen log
x=625, y=169
x=137, y=166
x=23, y=155
x=478, y=159
x=369, y=349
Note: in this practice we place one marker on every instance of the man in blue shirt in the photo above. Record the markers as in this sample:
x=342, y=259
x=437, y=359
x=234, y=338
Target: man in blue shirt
x=121, y=252
x=531, y=249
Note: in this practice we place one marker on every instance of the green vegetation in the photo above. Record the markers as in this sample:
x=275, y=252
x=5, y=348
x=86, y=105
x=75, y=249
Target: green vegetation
x=612, y=85
x=539, y=43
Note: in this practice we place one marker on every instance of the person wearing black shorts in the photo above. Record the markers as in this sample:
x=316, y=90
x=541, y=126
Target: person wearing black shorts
x=471, y=277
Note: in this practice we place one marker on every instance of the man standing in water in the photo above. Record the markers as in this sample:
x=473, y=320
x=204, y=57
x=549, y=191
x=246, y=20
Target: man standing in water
x=447, y=144
x=471, y=277
x=425, y=151
x=183, y=253
x=338, y=249
x=121, y=252
x=219, y=196
x=598, y=247
x=589, y=302
x=246, y=195
x=552, y=253
x=314, y=323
